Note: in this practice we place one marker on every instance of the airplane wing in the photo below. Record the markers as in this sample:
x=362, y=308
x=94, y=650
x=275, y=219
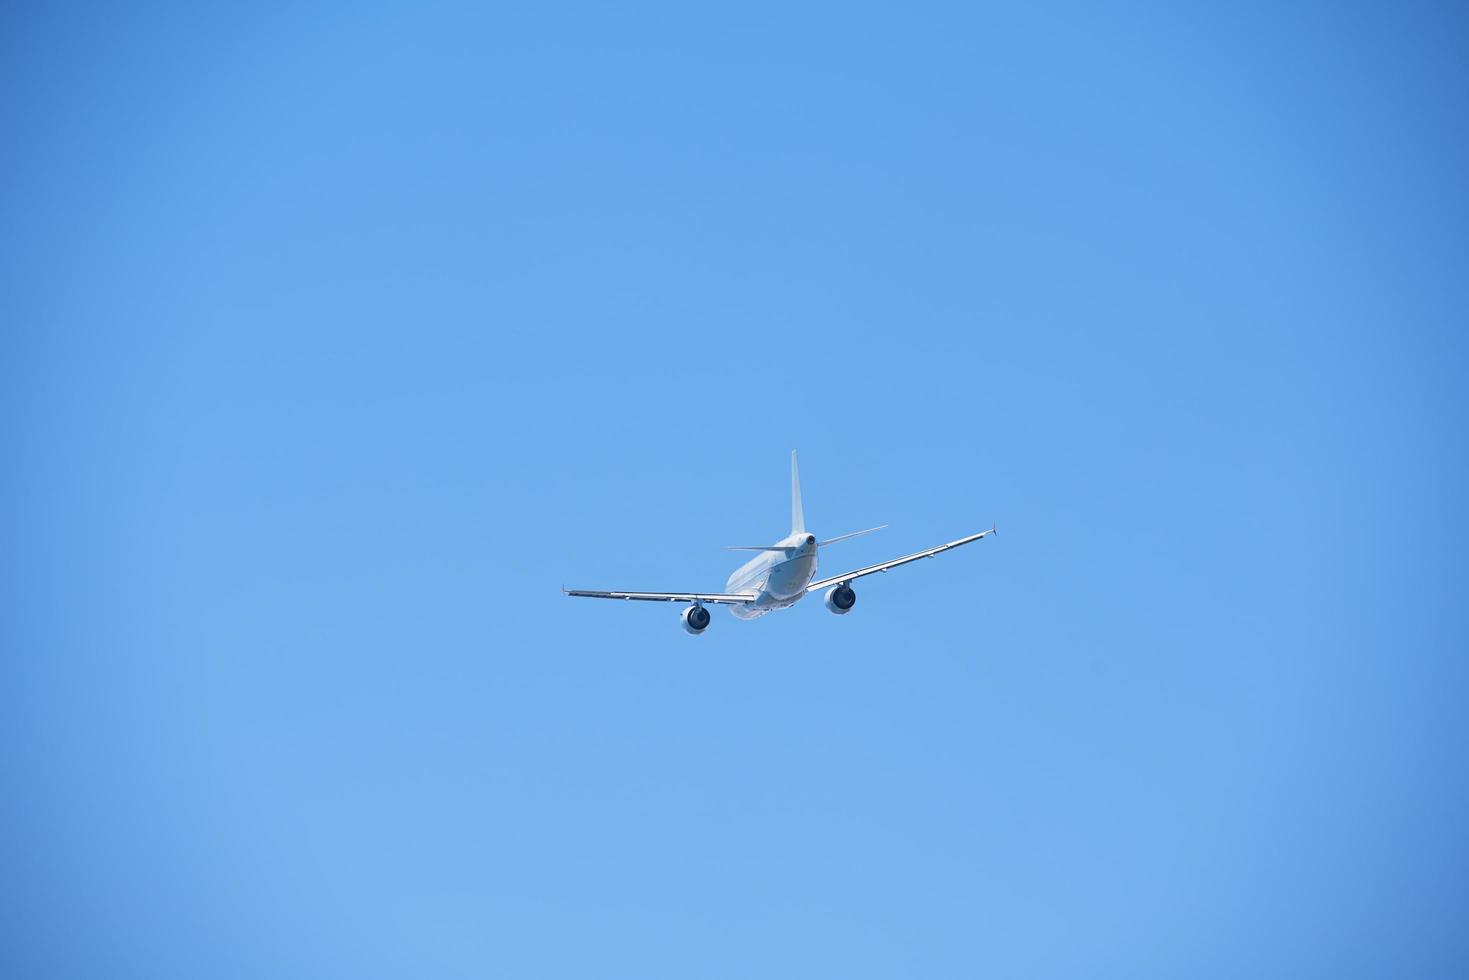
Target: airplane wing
x=723, y=598
x=884, y=566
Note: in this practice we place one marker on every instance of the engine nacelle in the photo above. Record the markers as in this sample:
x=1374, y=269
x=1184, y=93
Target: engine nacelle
x=840, y=599
x=695, y=620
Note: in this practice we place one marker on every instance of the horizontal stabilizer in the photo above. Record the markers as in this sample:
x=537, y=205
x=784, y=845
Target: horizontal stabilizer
x=758, y=547
x=854, y=534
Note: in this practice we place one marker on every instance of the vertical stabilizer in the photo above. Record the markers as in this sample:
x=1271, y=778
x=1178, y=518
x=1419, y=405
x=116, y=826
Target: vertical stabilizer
x=798, y=519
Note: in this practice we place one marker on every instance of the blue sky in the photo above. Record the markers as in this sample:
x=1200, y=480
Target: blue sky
x=337, y=338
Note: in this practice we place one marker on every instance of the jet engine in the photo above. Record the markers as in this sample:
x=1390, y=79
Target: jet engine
x=695, y=620
x=840, y=599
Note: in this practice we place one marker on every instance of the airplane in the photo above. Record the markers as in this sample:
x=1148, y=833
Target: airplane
x=780, y=576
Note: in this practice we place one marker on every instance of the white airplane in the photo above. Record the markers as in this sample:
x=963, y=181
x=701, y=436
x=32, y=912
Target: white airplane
x=780, y=576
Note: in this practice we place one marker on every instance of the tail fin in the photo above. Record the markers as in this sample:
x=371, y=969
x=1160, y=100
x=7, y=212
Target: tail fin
x=798, y=519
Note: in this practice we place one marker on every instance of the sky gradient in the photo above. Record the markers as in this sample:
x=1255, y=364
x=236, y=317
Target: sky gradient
x=339, y=337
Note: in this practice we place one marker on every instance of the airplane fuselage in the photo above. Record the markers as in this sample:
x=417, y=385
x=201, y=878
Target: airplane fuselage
x=778, y=578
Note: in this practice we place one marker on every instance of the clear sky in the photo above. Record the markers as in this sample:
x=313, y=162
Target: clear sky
x=338, y=338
